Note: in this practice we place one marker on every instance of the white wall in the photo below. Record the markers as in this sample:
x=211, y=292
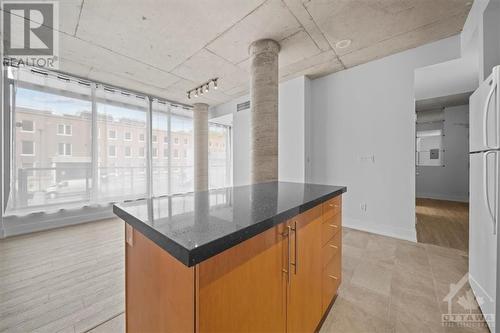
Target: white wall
x=364, y=112
x=479, y=38
x=291, y=128
x=451, y=181
x=449, y=78
x=293, y=105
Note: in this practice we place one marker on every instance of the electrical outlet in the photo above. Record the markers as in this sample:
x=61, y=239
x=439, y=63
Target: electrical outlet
x=363, y=206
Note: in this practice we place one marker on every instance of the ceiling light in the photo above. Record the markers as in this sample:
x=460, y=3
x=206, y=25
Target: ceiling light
x=343, y=43
x=204, y=87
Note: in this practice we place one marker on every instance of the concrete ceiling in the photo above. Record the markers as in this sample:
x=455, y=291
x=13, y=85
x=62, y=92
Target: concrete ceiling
x=166, y=47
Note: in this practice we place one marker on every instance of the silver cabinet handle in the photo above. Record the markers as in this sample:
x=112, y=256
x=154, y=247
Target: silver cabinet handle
x=296, y=247
x=287, y=271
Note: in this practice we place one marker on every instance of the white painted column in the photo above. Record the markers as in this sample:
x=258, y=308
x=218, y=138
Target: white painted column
x=264, y=115
x=200, y=121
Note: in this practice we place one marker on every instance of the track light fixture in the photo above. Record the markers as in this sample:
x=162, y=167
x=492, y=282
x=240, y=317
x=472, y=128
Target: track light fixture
x=205, y=87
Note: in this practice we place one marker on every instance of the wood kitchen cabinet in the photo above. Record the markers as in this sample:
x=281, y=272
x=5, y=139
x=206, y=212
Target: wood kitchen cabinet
x=281, y=280
x=244, y=288
x=304, y=299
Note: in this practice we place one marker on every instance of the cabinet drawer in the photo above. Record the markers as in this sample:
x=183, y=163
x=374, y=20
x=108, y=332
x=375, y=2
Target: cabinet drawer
x=332, y=207
x=331, y=249
x=329, y=228
x=331, y=280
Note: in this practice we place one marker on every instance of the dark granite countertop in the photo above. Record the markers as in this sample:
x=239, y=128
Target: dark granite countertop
x=196, y=226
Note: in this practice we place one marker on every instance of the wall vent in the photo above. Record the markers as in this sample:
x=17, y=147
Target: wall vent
x=243, y=106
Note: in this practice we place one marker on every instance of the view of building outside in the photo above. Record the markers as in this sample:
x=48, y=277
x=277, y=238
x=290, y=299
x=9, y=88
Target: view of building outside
x=52, y=149
x=219, y=158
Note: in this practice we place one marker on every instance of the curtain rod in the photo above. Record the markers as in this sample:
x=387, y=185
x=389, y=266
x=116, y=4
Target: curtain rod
x=82, y=80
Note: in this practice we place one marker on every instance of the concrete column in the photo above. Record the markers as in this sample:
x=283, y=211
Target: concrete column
x=264, y=105
x=200, y=121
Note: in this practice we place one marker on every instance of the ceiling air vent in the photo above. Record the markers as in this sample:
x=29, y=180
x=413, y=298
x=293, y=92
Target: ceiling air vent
x=243, y=106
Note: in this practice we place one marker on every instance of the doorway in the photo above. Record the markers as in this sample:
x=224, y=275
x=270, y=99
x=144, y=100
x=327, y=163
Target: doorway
x=442, y=171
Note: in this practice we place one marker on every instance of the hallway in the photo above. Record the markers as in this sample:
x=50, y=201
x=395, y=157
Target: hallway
x=443, y=223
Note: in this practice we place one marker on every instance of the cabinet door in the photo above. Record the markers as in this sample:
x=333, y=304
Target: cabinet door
x=243, y=289
x=304, y=289
x=159, y=289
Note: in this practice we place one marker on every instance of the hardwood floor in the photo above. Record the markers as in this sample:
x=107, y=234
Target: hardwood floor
x=72, y=280
x=63, y=280
x=443, y=223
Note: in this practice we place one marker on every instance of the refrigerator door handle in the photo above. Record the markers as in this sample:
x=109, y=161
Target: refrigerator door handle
x=485, y=189
x=486, y=111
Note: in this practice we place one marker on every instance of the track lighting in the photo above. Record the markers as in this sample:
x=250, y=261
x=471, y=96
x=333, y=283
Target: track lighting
x=205, y=87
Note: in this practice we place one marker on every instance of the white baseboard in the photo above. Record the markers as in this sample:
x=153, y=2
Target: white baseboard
x=488, y=303
x=441, y=196
x=14, y=226
x=380, y=229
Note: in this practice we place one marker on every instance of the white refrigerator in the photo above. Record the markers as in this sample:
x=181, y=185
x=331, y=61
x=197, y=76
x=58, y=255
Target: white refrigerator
x=484, y=199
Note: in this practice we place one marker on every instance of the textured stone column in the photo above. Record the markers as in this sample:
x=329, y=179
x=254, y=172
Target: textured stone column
x=200, y=121
x=264, y=105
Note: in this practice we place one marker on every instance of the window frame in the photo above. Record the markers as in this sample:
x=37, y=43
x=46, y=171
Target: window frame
x=114, y=151
x=32, y=124
x=129, y=155
x=33, y=145
x=65, y=146
x=64, y=127
x=109, y=134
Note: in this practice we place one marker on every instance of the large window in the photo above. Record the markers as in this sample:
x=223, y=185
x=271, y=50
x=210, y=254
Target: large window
x=123, y=116
x=76, y=143
x=219, y=156
x=48, y=166
x=181, y=129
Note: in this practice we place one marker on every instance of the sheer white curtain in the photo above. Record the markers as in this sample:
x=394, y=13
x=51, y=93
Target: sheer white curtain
x=75, y=143
x=51, y=145
x=121, y=145
x=219, y=156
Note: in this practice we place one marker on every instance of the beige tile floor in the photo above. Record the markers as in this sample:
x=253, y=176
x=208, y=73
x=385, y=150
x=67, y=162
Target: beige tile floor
x=391, y=285
x=71, y=280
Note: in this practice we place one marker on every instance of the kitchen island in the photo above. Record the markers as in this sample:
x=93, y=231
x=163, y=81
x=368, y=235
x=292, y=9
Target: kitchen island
x=256, y=258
